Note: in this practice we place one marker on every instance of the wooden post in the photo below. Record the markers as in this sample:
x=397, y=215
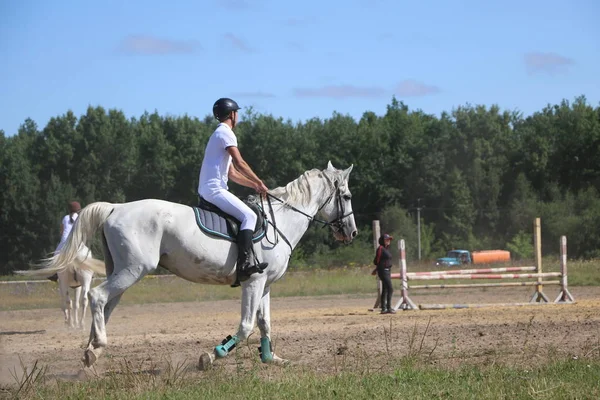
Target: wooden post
x=564, y=296
x=539, y=295
x=376, y=234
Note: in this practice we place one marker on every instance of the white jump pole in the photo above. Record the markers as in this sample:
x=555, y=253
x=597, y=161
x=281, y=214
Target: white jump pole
x=564, y=296
x=405, y=302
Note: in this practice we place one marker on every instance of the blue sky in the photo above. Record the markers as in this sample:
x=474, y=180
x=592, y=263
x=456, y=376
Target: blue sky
x=294, y=60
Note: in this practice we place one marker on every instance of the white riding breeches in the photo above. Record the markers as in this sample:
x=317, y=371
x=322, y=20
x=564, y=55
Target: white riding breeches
x=231, y=204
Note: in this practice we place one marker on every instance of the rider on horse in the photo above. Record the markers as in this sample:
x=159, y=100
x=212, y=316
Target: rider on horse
x=223, y=161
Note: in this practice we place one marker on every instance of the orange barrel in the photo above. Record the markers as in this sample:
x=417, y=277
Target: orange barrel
x=490, y=256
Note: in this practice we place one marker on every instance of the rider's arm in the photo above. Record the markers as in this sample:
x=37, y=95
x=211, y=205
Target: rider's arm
x=243, y=168
x=239, y=178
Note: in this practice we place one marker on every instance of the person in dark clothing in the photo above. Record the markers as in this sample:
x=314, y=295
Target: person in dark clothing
x=383, y=260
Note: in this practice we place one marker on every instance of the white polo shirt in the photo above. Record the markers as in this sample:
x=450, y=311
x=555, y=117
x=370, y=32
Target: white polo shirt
x=215, y=166
x=67, y=226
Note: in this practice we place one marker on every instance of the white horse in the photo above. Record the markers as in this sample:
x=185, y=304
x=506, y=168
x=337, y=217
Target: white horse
x=79, y=280
x=139, y=236
x=76, y=276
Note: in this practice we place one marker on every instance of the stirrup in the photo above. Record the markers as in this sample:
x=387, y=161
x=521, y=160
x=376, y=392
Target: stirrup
x=256, y=268
x=244, y=273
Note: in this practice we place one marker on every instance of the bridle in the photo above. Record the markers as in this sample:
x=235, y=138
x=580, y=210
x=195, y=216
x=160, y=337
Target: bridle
x=336, y=224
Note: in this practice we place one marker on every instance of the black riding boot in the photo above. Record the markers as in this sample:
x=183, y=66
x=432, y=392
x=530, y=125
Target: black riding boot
x=244, y=267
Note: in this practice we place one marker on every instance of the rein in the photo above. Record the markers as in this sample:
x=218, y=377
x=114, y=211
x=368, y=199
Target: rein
x=336, y=223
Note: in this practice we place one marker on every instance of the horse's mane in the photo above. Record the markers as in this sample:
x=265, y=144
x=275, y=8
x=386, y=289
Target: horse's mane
x=300, y=191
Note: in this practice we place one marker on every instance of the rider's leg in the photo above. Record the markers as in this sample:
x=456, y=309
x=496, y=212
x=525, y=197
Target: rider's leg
x=232, y=205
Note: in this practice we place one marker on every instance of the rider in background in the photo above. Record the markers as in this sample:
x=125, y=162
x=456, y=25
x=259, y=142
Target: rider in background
x=223, y=161
x=67, y=224
x=383, y=260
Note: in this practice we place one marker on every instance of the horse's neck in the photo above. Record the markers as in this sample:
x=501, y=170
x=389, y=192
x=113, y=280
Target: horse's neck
x=294, y=224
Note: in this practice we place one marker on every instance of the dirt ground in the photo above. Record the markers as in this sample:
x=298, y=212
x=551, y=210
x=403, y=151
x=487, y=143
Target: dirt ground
x=318, y=333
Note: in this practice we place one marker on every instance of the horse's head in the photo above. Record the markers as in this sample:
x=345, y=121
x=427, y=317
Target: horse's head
x=338, y=209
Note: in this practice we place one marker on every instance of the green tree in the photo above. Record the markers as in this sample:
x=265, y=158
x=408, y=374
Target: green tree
x=155, y=173
x=459, y=214
x=19, y=203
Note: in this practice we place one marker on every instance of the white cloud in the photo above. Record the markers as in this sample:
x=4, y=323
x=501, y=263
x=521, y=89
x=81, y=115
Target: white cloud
x=340, y=91
x=238, y=43
x=152, y=45
x=551, y=63
x=412, y=88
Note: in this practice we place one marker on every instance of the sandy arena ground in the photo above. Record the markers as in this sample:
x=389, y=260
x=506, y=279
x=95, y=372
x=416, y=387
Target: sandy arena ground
x=318, y=333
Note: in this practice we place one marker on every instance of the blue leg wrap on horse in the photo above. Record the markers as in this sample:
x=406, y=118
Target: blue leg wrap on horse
x=266, y=354
x=226, y=346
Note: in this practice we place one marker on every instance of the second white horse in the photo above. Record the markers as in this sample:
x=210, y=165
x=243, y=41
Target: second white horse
x=75, y=279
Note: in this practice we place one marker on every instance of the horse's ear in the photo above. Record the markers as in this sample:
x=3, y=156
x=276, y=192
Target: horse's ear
x=346, y=172
x=330, y=166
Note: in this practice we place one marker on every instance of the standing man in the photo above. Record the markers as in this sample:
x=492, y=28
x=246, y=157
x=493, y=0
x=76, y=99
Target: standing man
x=223, y=161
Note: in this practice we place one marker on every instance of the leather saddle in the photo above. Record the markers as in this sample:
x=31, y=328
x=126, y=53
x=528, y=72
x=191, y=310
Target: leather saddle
x=216, y=222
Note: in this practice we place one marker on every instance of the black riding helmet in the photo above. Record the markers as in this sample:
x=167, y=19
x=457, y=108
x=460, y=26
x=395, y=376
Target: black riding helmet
x=223, y=107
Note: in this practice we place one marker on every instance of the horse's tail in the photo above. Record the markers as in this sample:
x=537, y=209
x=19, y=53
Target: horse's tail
x=88, y=264
x=94, y=265
x=75, y=251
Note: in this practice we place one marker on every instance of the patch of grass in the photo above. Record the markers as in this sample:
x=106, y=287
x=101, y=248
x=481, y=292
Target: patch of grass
x=162, y=289
x=22, y=296
x=353, y=280
x=17, y=277
x=580, y=273
x=28, y=380
x=403, y=378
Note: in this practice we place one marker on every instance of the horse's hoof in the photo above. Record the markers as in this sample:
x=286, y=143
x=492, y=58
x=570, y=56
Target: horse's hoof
x=89, y=358
x=206, y=361
x=279, y=361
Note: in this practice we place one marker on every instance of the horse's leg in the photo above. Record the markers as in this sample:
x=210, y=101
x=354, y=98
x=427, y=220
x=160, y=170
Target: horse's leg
x=65, y=300
x=110, y=306
x=108, y=309
x=263, y=320
x=110, y=267
x=252, y=291
x=75, y=312
x=108, y=294
x=86, y=283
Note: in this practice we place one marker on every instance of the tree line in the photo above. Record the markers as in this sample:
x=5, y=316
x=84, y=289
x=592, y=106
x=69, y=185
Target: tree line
x=479, y=174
